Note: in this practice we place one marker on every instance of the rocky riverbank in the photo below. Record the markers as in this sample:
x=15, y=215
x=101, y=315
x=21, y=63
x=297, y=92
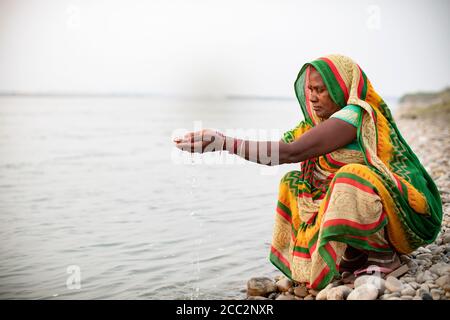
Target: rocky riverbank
x=426, y=128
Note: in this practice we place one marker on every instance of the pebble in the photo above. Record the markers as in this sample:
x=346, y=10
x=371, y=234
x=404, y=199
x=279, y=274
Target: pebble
x=408, y=279
x=414, y=285
x=393, y=284
x=322, y=295
x=366, y=291
x=435, y=294
x=424, y=256
x=437, y=251
x=413, y=265
x=408, y=291
x=378, y=282
x=257, y=298
x=426, y=296
x=338, y=293
x=301, y=291
x=273, y=295
x=284, y=284
x=390, y=295
x=422, y=250
x=440, y=269
x=260, y=286
x=425, y=287
x=285, y=297
x=446, y=238
x=424, y=276
x=279, y=277
x=313, y=292
x=421, y=292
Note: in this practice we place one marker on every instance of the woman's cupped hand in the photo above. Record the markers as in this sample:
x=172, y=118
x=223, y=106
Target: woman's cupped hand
x=206, y=140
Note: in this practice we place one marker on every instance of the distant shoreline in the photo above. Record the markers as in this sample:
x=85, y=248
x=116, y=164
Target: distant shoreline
x=142, y=95
x=150, y=95
x=425, y=104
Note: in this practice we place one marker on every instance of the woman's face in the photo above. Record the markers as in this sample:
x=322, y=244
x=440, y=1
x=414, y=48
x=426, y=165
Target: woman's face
x=319, y=97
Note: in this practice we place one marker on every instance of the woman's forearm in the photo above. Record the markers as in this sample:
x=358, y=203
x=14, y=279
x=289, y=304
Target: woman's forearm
x=322, y=139
x=270, y=153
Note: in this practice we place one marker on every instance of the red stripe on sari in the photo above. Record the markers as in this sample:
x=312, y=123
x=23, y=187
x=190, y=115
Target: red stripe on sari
x=355, y=183
x=338, y=77
x=399, y=185
x=313, y=248
x=306, y=90
x=369, y=159
x=319, y=278
x=334, y=161
x=310, y=220
x=305, y=195
x=302, y=255
x=284, y=214
x=332, y=253
x=371, y=243
x=356, y=225
x=280, y=257
x=330, y=250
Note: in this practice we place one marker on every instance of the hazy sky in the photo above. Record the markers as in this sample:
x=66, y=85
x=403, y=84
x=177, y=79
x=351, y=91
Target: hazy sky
x=207, y=47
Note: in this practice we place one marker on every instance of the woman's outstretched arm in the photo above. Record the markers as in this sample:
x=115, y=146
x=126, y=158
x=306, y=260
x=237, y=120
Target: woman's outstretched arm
x=326, y=137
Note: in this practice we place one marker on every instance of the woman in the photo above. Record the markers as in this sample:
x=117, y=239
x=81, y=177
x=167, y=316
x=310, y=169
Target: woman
x=361, y=195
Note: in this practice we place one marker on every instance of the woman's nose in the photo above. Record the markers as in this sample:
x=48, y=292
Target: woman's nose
x=313, y=97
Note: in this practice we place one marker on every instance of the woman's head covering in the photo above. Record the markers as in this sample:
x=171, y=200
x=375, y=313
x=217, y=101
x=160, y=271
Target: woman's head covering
x=385, y=151
x=344, y=79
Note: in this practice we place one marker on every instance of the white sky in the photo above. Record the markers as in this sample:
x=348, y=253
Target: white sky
x=207, y=47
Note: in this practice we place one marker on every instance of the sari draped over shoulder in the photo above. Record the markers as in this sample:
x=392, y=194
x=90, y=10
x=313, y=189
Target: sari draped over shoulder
x=373, y=194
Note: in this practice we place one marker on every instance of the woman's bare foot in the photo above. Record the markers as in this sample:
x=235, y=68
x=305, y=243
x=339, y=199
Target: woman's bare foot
x=389, y=260
x=380, y=262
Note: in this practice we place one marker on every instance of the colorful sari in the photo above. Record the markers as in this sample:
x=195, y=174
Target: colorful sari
x=377, y=197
